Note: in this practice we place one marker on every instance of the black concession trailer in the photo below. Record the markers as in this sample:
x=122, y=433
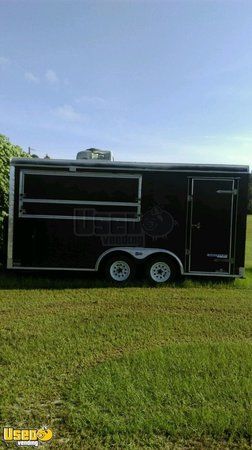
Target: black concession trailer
x=91, y=215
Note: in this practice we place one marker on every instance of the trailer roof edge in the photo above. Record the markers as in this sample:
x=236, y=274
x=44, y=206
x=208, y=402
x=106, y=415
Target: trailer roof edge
x=129, y=165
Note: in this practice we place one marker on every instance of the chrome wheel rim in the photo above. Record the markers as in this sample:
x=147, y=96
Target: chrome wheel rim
x=160, y=272
x=119, y=271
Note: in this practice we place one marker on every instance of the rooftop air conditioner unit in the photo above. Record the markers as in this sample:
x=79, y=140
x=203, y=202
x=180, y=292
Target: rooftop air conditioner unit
x=95, y=153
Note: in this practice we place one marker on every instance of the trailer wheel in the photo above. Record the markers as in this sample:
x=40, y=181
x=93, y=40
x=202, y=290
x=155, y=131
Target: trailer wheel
x=161, y=270
x=119, y=269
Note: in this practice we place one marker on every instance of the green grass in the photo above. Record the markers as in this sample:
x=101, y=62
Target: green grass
x=129, y=368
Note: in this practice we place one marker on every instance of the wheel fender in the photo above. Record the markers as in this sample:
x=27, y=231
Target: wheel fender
x=139, y=253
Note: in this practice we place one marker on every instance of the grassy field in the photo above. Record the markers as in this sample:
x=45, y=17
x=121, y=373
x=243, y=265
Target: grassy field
x=129, y=368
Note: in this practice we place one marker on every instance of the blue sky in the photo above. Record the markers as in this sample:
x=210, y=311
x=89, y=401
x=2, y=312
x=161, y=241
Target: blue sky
x=150, y=80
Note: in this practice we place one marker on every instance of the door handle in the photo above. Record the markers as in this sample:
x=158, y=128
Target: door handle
x=223, y=191
x=196, y=226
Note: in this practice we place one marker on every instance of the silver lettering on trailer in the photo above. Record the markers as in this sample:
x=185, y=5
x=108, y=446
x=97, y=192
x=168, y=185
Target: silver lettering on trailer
x=217, y=255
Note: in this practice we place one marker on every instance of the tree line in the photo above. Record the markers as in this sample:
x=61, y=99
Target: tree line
x=7, y=151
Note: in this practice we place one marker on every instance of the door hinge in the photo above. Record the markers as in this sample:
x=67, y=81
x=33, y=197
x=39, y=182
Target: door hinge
x=187, y=252
x=189, y=198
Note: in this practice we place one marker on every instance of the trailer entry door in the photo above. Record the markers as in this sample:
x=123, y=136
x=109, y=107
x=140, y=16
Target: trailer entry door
x=211, y=214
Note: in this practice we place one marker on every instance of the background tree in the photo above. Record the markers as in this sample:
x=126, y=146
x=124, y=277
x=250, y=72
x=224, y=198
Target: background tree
x=7, y=151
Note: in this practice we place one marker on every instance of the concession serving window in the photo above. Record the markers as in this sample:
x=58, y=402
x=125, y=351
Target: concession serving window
x=82, y=196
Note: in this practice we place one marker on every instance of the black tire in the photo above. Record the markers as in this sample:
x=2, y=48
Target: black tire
x=161, y=269
x=119, y=269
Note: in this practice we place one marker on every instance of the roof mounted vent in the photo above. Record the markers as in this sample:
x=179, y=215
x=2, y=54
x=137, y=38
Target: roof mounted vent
x=95, y=153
